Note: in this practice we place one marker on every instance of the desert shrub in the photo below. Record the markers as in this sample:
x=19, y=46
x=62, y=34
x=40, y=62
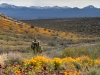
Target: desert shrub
x=51, y=44
x=74, y=52
x=3, y=58
x=53, y=53
x=45, y=29
x=54, y=38
x=32, y=26
x=19, y=42
x=93, y=51
x=1, y=38
x=14, y=57
x=68, y=53
x=49, y=30
x=94, y=54
x=77, y=65
x=92, y=72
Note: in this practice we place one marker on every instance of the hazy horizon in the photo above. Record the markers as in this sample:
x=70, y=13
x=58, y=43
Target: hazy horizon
x=61, y=3
x=48, y=6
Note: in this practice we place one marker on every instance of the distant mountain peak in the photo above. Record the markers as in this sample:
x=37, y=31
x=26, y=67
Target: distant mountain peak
x=58, y=7
x=90, y=7
x=48, y=7
x=5, y=5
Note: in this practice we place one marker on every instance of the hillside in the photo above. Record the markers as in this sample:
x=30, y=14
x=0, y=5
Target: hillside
x=84, y=26
x=17, y=35
x=11, y=26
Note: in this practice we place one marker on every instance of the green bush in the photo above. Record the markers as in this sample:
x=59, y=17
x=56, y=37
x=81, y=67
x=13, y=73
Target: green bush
x=74, y=52
x=77, y=65
x=93, y=51
x=92, y=72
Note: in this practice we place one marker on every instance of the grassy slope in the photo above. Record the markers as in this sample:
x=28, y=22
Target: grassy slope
x=90, y=26
x=18, y=35
x=87, y=29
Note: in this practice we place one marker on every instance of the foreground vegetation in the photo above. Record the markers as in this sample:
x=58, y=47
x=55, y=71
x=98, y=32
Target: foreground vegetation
x=93, y=51
x=40, y=65
x=75, y=60
x=82, y=60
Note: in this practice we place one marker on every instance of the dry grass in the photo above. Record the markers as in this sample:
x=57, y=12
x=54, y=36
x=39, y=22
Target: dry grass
x=14, y=55
x=3, y=58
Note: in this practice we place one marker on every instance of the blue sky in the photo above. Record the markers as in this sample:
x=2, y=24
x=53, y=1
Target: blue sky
x=70, y=3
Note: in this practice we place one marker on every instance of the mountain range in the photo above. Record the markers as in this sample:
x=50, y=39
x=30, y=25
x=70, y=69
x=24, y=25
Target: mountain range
x=47, y=12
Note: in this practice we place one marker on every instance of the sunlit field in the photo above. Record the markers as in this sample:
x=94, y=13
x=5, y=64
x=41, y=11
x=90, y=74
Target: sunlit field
x=65, y=49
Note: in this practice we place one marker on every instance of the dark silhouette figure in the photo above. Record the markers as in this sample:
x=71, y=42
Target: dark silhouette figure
x=35, y=46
